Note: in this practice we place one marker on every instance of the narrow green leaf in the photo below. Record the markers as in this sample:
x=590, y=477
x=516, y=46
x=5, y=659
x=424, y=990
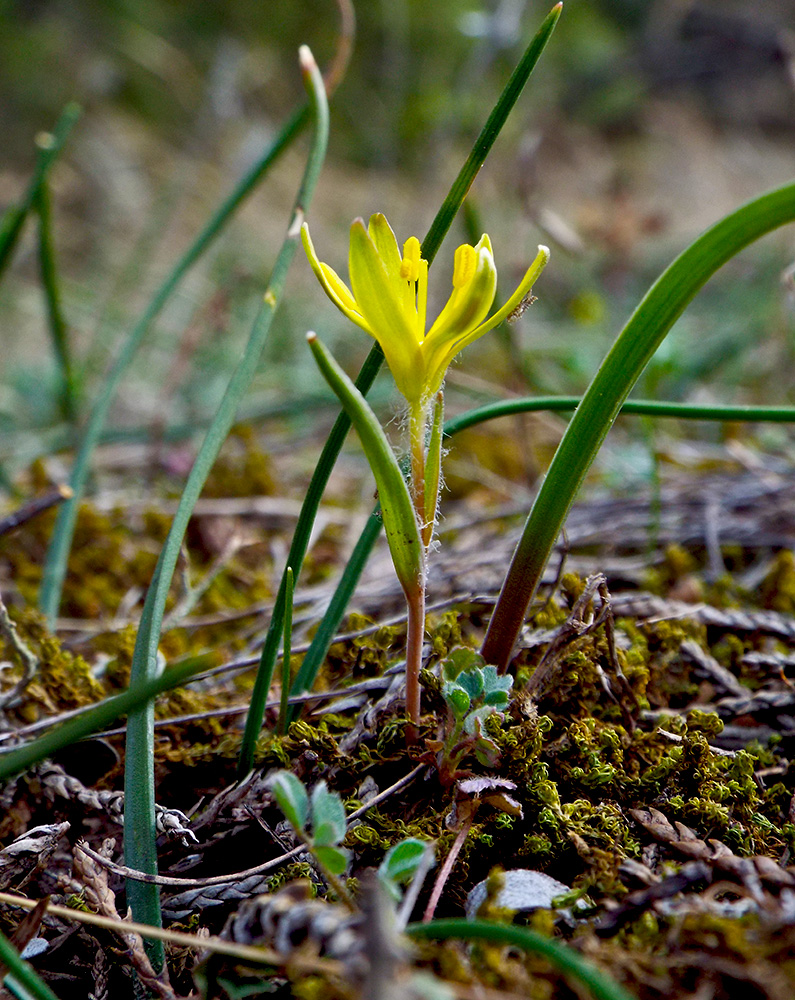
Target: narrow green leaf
x=563, y=957
x=291, y=798
x=655, y=315
x=139, y=826
x=60, y=544
x=59, y=333
x=99, y=716
x=329, y=824
x=50, y=146
x=286, y=652
x=400, y=523
x=21, y=975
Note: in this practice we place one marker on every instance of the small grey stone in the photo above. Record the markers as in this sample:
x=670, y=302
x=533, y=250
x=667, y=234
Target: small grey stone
x=523, y=889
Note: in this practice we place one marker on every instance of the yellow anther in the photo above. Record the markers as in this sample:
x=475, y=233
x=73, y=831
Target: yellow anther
x=410, y=265
x=464, y=265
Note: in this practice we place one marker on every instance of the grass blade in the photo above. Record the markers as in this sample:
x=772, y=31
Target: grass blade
x=139, y=839
x=284, y=708
x=366, y=377
x=566, y=959
x=58, y=330
x=60, y=545
x=26, y=983
x=49, y=145
x=98, y=717
x=655, y=315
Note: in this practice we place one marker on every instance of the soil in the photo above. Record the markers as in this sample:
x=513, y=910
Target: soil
x=643, y=761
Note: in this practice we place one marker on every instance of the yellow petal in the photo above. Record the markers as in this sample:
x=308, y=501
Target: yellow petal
x=513, y=303
x=379, y=300
x=333, y=285
x=438, y=363
x=474, y=285
x=386, y=244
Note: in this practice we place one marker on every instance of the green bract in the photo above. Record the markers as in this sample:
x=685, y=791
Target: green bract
x=389, y=294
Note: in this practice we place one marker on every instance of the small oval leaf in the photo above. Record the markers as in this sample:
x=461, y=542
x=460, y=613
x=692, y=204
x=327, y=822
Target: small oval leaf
x=291, y=798
x=402, y=860
x=334, y=859
x=328, y=817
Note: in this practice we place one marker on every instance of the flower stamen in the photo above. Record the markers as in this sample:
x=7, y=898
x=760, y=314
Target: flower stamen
x=410, y=265
x=464, y=264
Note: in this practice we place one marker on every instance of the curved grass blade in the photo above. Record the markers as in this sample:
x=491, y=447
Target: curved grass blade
x=58, y=329
x=601, y=986
x=99, y=717
x=58, y=551
x=50, y=145
x=20, y=979
x=284, y=707
x=655, y=315
x=139, y=839
x=364, y=380
x=61, y=542
x=630, y=407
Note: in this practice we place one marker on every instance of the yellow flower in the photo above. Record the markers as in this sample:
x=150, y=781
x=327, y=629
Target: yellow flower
x=389, y=293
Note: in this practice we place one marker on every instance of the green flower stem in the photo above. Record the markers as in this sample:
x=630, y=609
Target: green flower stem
x=49, y=146
x=655, y=315
x=418, y=420
x=415, y=595
x=566, y=959
x=430, y=246
x=433, y=468
x=139, y=829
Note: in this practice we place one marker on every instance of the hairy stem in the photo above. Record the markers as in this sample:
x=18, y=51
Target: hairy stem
x=414, y=639
x=415, y=597
x=417, y=423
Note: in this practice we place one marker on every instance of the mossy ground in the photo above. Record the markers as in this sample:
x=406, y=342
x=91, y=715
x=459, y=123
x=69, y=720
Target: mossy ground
x=586, y=756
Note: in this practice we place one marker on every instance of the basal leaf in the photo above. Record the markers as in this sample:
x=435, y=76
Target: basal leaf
x=291, y=798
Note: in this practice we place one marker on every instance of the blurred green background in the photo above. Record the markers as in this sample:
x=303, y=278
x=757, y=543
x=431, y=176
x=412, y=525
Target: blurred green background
x=645, y=121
